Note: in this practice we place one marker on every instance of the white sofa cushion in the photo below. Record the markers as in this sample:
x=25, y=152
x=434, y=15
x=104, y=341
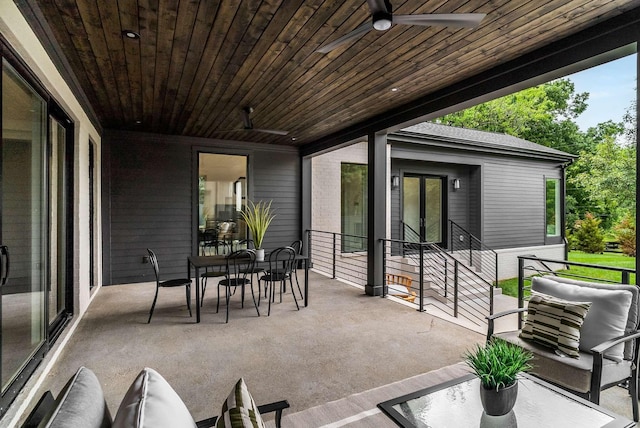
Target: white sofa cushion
x=80, y=404
x=634, y=309
x=606, y=319
x=151, y=402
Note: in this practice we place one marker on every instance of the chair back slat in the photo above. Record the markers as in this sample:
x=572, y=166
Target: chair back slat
x=240, y=264
x=154, y=262
x=281, y=262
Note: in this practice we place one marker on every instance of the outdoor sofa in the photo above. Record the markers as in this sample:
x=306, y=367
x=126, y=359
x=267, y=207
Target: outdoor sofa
x=150, y=402
x=583, y=352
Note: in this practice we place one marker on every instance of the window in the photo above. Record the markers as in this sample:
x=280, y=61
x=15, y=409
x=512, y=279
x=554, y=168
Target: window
x=222, y=192
x=353, y=206
x=552, y=195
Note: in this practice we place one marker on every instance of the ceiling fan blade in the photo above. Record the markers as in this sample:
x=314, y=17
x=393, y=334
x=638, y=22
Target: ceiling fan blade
x=463, y=20
x=269, y=131
x=363, y=29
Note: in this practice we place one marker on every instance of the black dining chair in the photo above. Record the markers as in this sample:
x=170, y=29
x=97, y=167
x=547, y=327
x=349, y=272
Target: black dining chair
x=210, y=272
x=281, y=267
x=239, y=273
x=297, y=247
x=178, y=282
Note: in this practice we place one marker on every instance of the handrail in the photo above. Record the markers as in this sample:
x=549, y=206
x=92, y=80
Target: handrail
x=625, y=274
x=442, y=281
x=482, y=247
x=457, y=268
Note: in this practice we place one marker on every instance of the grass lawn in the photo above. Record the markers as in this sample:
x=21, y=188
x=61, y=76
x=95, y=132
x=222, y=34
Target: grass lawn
x=510, y=286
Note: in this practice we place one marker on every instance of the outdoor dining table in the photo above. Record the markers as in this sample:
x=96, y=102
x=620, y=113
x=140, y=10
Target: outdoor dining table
x=203, y=262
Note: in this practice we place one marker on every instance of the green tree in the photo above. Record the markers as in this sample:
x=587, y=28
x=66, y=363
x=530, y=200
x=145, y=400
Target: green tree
x=588, y=235
x=608, y=176
x=543, y=114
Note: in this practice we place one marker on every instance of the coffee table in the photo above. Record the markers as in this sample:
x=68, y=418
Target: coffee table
x=456, y=403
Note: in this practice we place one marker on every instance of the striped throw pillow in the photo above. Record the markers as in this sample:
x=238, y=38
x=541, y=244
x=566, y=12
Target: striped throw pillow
x=555, y=323
x=239, y=410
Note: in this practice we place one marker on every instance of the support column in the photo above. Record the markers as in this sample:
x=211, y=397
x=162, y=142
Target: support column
x=376, y=212
x=305, y=198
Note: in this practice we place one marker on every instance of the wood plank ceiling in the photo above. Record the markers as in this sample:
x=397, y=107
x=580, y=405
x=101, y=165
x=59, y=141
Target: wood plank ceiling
x=198, y=62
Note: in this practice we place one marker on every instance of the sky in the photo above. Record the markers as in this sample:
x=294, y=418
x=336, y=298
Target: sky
x=611, y=89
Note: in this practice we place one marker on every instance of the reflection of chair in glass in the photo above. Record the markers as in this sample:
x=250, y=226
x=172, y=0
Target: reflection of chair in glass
x=240, y=267
x=281, y=263
x=179, y=282
x=396, y=284
x=297, y=247
x=211, y=242
x=226, y=230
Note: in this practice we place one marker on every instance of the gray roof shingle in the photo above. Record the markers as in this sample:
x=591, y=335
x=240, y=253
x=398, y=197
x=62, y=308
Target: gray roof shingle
x=480, y=138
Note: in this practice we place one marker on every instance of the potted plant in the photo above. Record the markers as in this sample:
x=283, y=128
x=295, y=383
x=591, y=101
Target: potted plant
x=498, y=365
x=258, y=218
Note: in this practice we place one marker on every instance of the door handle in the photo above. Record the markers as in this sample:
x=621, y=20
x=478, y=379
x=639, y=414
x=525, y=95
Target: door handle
x=4, y=264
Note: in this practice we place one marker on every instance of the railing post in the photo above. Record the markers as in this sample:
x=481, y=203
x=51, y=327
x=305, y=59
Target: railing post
x=335, y=250
x=520, y=289
x=495, y=284
x=451, y=236
x=446, y=277
x=307, y=250
x=421, y=305
x=384, y=268
x=625, y=277
x=470, y=250
x=455, y=289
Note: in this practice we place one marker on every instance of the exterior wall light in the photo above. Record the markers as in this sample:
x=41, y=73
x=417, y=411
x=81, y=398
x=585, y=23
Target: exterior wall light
x=456, y=183
x=395, y=182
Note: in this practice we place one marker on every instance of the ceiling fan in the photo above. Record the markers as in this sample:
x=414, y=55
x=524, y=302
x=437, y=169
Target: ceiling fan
x=383, y=19
x=248, y=123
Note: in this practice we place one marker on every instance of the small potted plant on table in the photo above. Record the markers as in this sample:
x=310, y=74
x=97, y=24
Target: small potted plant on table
x=258, y=218
x=498, y=365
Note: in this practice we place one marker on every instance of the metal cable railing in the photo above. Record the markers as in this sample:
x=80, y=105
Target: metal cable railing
x=327, y=255
x=532, y=266
x=439, y=280
x=469, y=248
x=420, y=273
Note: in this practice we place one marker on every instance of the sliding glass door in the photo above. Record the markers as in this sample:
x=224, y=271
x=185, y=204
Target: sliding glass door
x=36, y=205
x=23, y=224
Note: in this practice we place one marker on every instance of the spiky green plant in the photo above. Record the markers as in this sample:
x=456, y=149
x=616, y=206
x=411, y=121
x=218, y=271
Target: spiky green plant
x=498, y=364
x=258, y=217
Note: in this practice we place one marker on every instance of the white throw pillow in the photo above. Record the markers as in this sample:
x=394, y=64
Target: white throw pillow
x=151, y=402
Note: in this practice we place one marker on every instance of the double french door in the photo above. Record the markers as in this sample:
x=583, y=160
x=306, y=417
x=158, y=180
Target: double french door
x=423, y=210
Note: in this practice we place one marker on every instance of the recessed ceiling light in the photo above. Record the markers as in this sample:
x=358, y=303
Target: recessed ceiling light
x=394, y=89
x=138, y=122
x=293, y=138
x=130, y=34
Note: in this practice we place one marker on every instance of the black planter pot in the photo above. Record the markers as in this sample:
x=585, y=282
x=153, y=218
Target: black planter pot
x=498, y=403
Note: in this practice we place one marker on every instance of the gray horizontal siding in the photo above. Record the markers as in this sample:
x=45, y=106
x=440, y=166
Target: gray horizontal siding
x=147, y=199
x=514, y=201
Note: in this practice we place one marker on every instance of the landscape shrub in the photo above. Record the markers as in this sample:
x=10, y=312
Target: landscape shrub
x=626, y=234
x=588, y=234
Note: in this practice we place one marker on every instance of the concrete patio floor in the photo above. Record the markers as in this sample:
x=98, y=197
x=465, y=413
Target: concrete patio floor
x=343, y=343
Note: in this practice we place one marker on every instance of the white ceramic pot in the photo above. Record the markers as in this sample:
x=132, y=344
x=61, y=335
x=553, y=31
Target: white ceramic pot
x=260, y=255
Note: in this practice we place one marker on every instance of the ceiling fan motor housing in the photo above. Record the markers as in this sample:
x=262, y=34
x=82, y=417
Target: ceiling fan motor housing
x=382, y=20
